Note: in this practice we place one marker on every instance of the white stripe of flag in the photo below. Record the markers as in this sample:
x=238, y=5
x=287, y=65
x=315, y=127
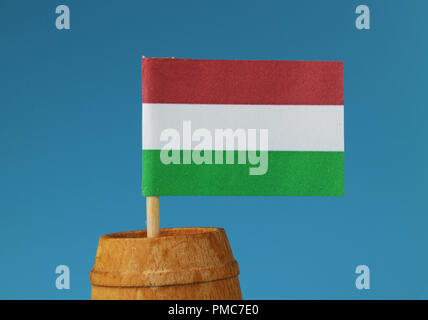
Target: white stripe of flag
x=290, y=127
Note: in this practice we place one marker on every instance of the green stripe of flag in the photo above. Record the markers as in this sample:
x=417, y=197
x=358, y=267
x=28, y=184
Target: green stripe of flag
x=292, y=173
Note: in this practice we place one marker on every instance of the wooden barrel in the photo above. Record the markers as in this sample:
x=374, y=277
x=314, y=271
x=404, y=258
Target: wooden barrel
x=183, y=263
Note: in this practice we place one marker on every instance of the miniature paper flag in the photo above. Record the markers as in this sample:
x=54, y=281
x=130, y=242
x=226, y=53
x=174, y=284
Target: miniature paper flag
x=223, y=127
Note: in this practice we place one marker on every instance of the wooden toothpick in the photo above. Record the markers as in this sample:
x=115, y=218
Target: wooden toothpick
x=153, y=225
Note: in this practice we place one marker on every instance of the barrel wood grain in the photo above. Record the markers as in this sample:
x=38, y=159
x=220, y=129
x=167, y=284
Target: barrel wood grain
x=182, y=263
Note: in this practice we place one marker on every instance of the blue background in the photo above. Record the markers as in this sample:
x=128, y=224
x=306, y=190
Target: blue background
x=70, y=134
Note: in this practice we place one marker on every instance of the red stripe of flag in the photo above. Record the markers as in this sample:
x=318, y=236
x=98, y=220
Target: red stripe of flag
x=242, y=82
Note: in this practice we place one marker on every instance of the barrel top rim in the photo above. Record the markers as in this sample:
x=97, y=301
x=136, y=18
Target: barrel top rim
x=164, y=233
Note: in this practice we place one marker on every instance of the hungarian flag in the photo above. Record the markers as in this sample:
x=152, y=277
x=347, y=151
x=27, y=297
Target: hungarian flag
x=237, y=127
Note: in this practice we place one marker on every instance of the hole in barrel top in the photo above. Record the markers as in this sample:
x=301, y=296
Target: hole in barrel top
x=163, y=232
